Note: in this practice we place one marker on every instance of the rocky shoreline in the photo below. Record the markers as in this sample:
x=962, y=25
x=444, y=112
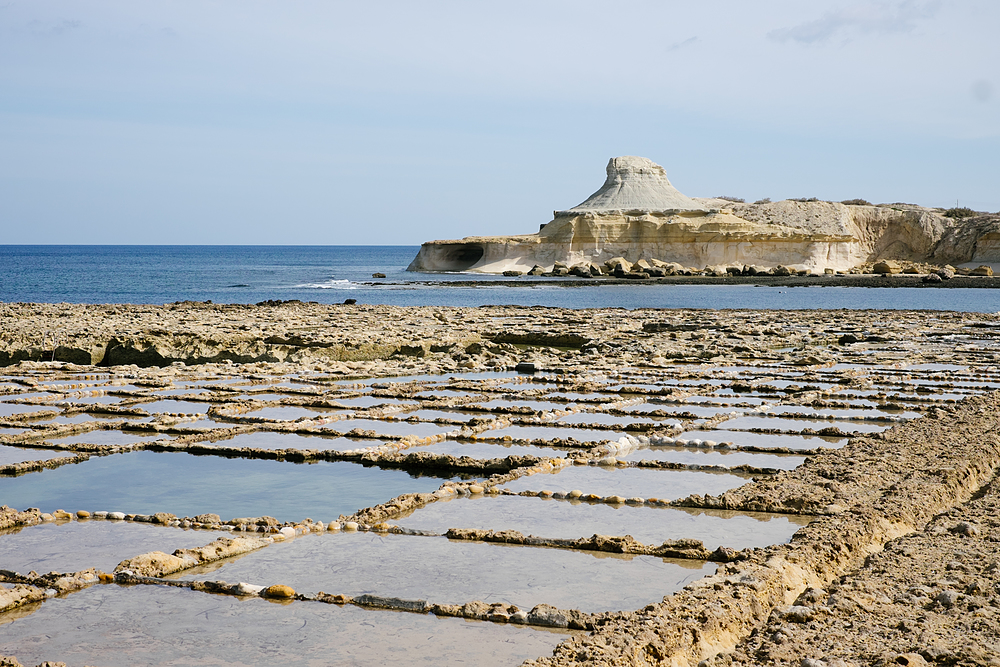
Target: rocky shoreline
x=759, y=280
x=898, y=566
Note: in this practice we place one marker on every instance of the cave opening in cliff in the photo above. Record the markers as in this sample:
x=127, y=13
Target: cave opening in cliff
x=461, y=256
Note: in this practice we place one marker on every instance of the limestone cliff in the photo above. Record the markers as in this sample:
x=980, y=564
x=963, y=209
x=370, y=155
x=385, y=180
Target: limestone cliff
x=638, y=214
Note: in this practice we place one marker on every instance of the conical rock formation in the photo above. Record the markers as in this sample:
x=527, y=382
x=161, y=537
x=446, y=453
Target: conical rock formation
x=636, y=183
x=638, y=214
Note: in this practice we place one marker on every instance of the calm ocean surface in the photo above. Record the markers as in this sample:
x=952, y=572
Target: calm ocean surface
x=330, y=274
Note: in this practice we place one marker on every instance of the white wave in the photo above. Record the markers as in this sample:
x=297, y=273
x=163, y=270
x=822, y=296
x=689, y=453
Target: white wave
x=330, y=284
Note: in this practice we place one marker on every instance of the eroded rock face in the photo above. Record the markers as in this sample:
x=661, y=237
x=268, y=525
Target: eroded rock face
x=638, y=214
x=637, y=183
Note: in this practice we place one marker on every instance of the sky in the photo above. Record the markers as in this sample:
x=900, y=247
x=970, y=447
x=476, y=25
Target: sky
x=383, y=122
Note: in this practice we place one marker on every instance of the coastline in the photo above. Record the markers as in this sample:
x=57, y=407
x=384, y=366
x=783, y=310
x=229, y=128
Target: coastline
x=898, y=563
x=864, y=280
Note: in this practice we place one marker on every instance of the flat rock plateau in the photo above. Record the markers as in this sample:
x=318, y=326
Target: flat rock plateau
x=574, y=487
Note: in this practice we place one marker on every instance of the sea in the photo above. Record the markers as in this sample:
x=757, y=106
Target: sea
x=331, y=274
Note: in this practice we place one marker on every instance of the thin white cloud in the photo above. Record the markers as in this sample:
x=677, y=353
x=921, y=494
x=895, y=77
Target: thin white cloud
x=872, y=18
x=680, y=45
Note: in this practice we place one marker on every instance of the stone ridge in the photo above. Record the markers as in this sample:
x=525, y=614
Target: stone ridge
x=637, y=183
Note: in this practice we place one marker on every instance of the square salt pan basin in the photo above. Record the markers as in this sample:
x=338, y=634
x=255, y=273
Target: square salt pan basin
x=629, y=482
x=9, y=454
x=149, y=482
x=675, y=408
x=709, y=457
x=483, y=450
x=36, y=394
x=180, y=392
x=766, y=439
x=444, y=393
x=370, y=401
x=454, y=572
x=591, y=396
x=539, y=406
x=604, y=418
x=277, y=440
x=257, y=397
x=841, y=413
x=454, y=415
x=380, y=427
x=174, y=407
x=102, y=437
x=95, y=400
x=285, y=413
x=573, y=519
x=156, y=625
x=549, y=433
x=799, y=424
x=76, y=545
x=18, y=409
x=86, y=417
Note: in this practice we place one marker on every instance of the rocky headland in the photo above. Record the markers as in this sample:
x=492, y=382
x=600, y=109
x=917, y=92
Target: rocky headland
x=637, y=222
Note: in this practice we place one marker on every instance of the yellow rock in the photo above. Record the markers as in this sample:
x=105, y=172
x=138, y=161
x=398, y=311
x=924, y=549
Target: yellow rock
x=475, y=488
x=83, y=514
x=279, y=591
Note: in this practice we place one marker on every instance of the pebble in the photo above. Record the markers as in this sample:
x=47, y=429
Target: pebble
x=475, y=489
x=83, y=514
x=946, y=599
x=116, y=516
x=287, y=532
x=244, y=588
x=333, y=527
x=351, y=525
x=279, y=591
x=575, y=493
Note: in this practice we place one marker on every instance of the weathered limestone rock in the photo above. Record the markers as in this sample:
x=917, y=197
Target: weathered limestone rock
x=20, y=594
x=886, y=267
x=638, y=215
x=159, y=564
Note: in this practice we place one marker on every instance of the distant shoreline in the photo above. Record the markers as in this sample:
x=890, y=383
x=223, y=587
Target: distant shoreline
x=866, y=280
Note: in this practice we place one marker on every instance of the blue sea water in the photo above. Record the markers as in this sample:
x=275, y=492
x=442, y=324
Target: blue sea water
x=330, y=274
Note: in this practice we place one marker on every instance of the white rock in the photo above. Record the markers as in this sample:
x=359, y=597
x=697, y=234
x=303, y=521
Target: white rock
x=244, y=588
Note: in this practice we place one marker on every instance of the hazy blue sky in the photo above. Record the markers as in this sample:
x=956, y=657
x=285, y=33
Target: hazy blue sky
x=312, y=122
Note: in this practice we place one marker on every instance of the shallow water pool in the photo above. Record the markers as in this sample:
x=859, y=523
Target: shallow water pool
x=454, y=572
x=77, y=545
x=629, y=482
x=573, y=519
x=186, y=485
x=154, y=625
